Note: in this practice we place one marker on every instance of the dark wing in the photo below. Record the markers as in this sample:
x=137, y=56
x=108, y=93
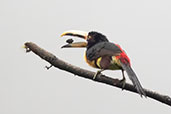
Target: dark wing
x=102, y=49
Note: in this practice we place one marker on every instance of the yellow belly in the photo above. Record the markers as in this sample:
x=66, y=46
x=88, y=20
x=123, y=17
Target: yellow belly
x=114, y=64
x=91, y=63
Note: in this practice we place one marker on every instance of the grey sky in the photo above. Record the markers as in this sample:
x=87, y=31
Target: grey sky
x=142, y=28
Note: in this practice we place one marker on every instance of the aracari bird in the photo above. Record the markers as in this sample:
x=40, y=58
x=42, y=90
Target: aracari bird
x=104, y=55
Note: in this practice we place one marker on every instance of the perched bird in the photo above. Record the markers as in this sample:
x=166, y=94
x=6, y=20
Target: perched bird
x=104, y=55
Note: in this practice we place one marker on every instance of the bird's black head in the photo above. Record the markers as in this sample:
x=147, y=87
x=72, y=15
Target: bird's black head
x=94, y=38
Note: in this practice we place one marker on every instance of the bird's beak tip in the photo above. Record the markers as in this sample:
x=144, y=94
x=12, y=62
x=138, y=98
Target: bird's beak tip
x=64, y=46
x=62, y=35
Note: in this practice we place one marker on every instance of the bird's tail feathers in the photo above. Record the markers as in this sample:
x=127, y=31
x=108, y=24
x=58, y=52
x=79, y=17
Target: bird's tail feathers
x=133, y=78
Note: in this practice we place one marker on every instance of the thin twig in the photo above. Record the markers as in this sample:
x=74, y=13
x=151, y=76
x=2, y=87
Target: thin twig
x=54, y=61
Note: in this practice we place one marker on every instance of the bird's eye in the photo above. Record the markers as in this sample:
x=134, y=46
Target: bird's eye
x=89, y=37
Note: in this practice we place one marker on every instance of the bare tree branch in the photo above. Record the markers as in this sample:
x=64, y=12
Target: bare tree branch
x=54, y=61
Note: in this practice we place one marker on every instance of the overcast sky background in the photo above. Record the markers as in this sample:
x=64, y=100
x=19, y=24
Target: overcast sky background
x=142, y=28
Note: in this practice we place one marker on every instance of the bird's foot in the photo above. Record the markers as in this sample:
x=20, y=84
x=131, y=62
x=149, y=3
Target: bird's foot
x=96, y=74
x=123, y=82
